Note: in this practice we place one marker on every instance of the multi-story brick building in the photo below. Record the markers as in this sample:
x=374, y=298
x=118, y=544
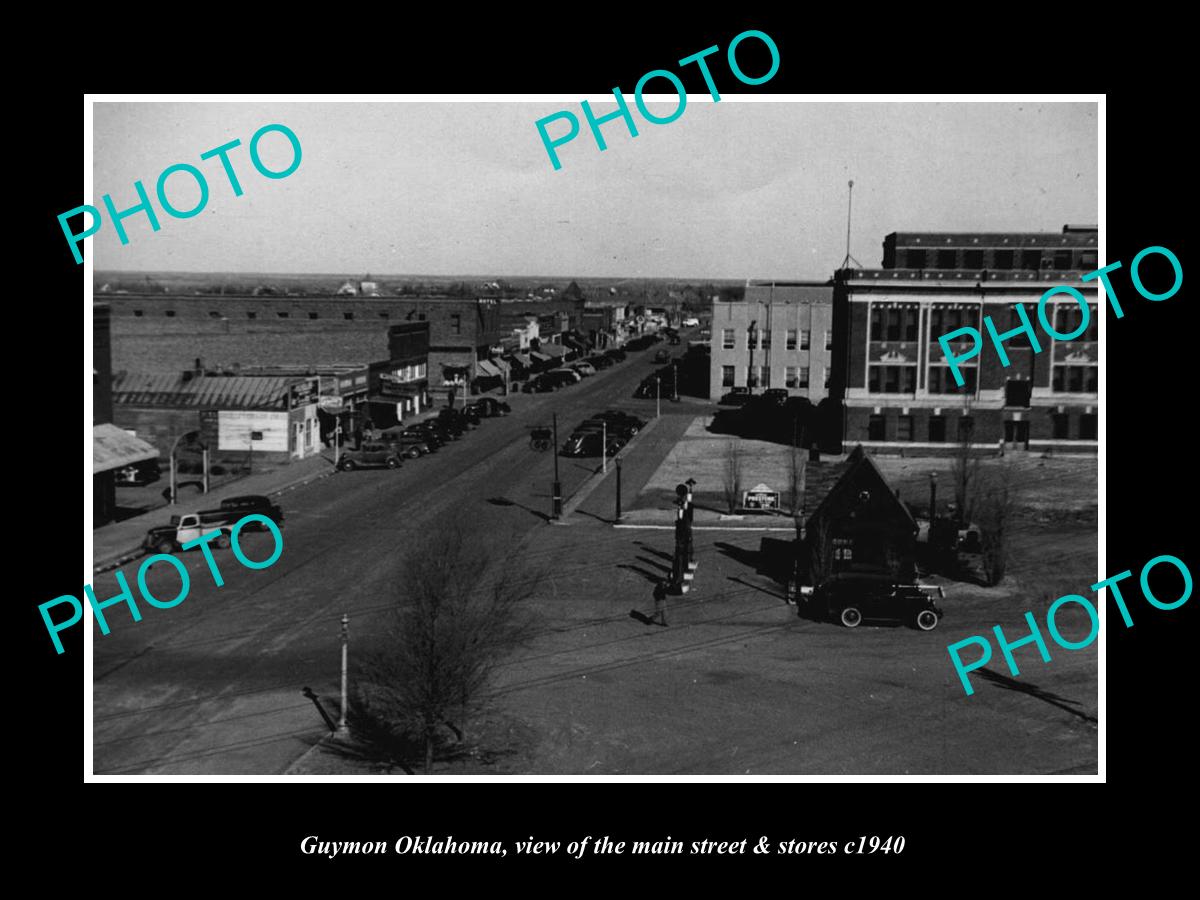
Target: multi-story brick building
x=891, y=372
x=779, y=335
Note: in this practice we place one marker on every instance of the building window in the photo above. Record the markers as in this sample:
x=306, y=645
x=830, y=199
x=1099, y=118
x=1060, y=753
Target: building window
x=766, y=376
x=1002, y=259
x=347, y=315
x=251, y=315
x=751, y=377
x=947, y=259
x=420, y=317
x=912, y=321
x=916, y=259
x=1031, y=259
x=383, y=315
x=942, y=382
x=789, y=377
x=170, y=313
x=802, y=378
x=904, y=428
x=213, y=314
x=1087, y=427
x=1067, y=317
x=937, y=429
x=726, y=376
x=876, y=429
x=138, y=313
x=877, y=317
x=1062, y=259
x=973, y=259
x=828, y=340
x=456, y=323
x=282, y=315
x=727, y=339
x=791, y=338
x=1076, y=379
x=966, y=428
x=804, y=340
x=1062, y=426
x=1087, y=261
x=313, y=315
x=892, y=379
x=766, y=339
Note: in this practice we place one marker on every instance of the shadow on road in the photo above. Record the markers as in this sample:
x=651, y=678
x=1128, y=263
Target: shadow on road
x=1024, y=687
x=504, y=501
x=652, y=577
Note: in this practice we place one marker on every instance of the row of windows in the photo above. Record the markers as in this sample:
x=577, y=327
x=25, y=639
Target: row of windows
x=282, y=314
x=883, y=379
x=894, y=323
x=760, y=339
x=956, y=258
x=897, y=324
x=877, y=428
x=760, y=376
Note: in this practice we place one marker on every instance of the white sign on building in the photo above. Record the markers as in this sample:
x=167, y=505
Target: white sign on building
x=235, y=427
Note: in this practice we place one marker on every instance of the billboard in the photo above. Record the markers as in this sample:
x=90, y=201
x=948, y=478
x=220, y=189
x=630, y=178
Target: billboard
x=252, y=428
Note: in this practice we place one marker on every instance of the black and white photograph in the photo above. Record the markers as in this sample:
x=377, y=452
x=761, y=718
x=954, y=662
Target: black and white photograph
x=429, y=440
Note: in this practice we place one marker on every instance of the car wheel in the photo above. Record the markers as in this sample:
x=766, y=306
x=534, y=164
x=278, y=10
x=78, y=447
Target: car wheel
x=165, y=546
x=413, y=453
x=927, y=620
x=348, y=465
x=221, y=541
x=851, y=617
x=393, y=462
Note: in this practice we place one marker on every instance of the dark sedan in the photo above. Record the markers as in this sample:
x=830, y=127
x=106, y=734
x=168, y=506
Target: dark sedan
x=852, y=598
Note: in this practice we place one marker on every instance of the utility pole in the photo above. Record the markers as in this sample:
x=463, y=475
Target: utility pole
x=557, y=491
x=604, y=447
x=657, y=396
x=618, y=518
x=342, y=728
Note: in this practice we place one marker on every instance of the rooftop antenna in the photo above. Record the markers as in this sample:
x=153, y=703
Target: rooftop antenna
x=849, y=206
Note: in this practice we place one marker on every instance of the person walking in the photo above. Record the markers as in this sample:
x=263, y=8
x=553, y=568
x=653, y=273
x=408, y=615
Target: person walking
x=660, y=603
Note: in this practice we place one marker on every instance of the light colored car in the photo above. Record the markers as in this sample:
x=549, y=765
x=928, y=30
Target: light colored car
x=691, y=322
x=583, y=368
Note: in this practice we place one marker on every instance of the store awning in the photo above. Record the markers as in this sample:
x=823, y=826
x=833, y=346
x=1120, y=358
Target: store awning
x=554, y=350
x=489, y=369
x=523, y=359
x=113, y=448
x=539, y=356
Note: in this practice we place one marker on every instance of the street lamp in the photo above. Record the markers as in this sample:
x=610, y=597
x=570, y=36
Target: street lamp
x=188, y=436
x=657, y=396
x=557, y=492
x=932, y=496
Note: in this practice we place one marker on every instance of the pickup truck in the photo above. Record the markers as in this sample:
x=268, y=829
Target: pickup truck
x=188, y=527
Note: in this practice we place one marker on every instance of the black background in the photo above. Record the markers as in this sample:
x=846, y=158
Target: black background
x=256, y=829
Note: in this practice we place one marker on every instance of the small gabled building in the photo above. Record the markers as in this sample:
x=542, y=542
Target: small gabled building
x=853, y=521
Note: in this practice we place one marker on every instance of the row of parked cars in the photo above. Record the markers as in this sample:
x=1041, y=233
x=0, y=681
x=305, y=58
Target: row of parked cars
x=573, y=372
x=389, y=447
x=605, y=432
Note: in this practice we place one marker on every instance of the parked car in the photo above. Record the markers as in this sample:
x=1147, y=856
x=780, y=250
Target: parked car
x=777, y=396
x=616, y=415
x=234, y=508
x=662, y=356
x=851, y=598
x=623, y=430
x=412, y=444
x=540, y=384
x=569, y=376
x=374, y=454
x=691, y=322
x=584, y=368
x=184, y=529
x=456, y=421
x=738, y=396
x=490, y=407
x=600, y=362
x=616, y=353
x=589, y=444
x=428, y=432
x=605, y=429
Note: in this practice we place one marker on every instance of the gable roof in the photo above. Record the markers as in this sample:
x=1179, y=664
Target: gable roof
x=824, y=483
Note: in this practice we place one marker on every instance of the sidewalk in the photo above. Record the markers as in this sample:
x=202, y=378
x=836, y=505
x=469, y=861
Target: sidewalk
x=704, y=519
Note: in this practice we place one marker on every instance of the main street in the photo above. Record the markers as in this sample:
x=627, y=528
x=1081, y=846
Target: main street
x=215, y=684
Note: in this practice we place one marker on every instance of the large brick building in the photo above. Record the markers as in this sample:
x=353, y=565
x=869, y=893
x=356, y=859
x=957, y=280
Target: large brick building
x=891, y=372
x=779, y=335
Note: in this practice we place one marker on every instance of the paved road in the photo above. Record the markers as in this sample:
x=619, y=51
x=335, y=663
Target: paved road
x=214, y=685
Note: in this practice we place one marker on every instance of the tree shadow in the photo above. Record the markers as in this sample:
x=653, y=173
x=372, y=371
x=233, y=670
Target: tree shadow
x=661, y=554
x=739, y=554
x=656, y=564
x=1024, y=687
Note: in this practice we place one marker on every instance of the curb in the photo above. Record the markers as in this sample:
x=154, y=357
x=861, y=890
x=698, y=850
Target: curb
x=704, y=528
x=311, y=751
x=128, y=556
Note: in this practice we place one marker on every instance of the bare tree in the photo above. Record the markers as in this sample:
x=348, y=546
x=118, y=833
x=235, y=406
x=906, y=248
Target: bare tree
x=819, y=538
x=964, y=469
x=733, y=474
x=797, y=471
x=450, y=627
x=995, y=508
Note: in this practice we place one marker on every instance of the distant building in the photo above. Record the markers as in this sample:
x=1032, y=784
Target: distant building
x=779, y=335
x=347, y=290
x=897, y=388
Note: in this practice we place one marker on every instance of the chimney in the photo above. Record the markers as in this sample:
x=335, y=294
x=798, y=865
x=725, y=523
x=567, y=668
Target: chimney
x=198, y=368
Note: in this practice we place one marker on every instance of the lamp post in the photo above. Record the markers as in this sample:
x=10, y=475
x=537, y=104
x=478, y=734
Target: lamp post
x=657, y=396
x=932, y=496
x=557, y=492
x=342, y=727
x=618, y=461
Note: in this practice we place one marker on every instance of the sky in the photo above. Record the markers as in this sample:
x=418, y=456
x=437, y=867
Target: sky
x=728, y=190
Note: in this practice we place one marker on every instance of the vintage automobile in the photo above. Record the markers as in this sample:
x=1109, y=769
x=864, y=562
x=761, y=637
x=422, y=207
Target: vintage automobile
x=187, y=528
x=852, y=598
x=738, y=396
x=490, y=407
x=616, y=353
x=234, y=508
x=589, y=443
x=374, y=454
x=662, y=356
x=586, y=369
x=411, y=443
x=601, y=362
